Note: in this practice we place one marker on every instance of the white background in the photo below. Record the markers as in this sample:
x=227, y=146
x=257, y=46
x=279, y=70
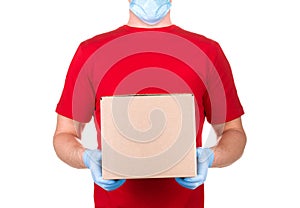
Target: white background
x=261, y=41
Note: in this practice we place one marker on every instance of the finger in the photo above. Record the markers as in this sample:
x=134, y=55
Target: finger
x=114, y=186
x=197, y=179
x=104, y=182
x=117, y=184
x=186, y=184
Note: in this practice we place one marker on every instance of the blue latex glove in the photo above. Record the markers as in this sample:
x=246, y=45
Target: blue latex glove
x=205, y=158
x=92, y=160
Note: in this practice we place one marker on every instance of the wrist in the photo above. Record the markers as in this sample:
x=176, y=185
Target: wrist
x=212, y=162
x=80, y=153
x=205, y=154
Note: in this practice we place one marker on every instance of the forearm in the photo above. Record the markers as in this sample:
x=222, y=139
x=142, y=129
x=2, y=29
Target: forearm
x=69, y=149
x=229, y=148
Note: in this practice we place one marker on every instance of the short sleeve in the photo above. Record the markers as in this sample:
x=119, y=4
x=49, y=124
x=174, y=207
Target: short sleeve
x=77, y=100
x=221, y=101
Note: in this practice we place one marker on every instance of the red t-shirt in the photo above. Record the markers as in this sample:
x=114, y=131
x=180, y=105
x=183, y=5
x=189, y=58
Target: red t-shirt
x=132, y=60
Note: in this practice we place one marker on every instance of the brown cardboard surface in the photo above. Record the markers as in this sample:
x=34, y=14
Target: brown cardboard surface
x=148, y=136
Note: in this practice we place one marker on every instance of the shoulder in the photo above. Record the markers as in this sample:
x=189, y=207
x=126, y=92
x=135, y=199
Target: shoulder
x=100, y=39
x=209, y=46
x=197, y=38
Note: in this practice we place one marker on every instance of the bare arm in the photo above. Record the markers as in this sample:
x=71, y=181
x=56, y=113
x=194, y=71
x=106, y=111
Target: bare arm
x=231, y=143
x=66, y=141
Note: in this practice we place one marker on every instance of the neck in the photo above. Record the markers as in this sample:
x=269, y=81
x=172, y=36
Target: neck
x=134, y=21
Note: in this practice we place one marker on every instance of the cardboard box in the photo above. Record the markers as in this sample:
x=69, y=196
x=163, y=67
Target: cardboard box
x=148, y=136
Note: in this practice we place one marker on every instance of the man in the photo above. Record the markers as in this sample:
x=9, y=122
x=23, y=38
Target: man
x=93, y=73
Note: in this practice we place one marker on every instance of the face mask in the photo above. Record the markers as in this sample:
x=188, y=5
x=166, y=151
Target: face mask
x=150, y=11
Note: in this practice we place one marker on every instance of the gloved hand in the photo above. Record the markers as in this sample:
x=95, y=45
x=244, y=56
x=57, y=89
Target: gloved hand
x=92, y=160
x=205, y=158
